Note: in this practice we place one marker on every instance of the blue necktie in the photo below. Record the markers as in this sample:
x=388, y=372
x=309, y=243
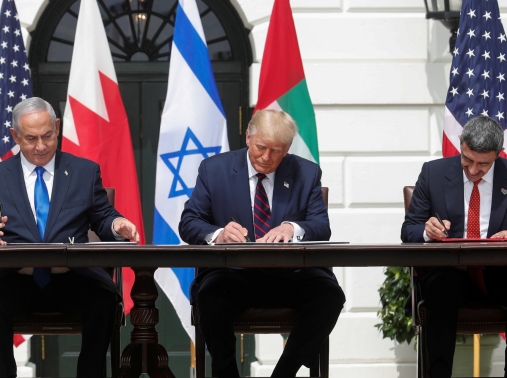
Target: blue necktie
x=41, y=201
x=262, y=212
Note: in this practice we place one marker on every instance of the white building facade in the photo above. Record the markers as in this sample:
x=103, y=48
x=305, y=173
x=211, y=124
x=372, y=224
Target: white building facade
x=378, y=74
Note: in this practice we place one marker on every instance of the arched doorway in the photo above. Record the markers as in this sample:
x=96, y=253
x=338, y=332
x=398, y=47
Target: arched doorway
x=140, y=37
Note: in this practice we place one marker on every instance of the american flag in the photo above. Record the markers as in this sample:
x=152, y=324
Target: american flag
x=15, y=84
x=478, y=78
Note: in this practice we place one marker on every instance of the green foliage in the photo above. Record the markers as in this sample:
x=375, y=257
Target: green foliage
x=393, y=295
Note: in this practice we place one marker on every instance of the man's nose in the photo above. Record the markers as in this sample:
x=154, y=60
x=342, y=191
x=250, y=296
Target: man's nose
x=474, y=169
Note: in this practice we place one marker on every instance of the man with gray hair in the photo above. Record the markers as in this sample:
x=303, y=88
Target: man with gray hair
x=264, y=194
x=469, y=194
x=49, y=196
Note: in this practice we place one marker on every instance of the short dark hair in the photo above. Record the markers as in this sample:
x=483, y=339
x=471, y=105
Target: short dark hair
x=483, y=134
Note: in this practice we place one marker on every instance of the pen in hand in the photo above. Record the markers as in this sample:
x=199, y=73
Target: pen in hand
x=233, y=219
x=442, y=223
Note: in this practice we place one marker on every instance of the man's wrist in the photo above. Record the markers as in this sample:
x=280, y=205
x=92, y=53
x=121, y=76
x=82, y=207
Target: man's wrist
x=299, y=232
x=116, y=235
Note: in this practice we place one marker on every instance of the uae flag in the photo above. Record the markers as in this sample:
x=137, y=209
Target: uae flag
x=282, y=83
x=95, y=124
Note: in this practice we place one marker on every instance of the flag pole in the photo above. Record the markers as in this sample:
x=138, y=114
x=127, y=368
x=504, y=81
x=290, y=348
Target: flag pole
x=192, y=359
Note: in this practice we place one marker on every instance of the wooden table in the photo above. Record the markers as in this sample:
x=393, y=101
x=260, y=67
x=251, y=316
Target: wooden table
x=145, y=355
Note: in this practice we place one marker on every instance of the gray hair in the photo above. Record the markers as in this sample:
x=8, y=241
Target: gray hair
x=483, y=134
x=273, y=125
x=29, y=106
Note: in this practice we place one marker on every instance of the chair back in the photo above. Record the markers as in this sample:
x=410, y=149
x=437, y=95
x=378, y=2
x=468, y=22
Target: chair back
x=325, y=194
x=407, y=195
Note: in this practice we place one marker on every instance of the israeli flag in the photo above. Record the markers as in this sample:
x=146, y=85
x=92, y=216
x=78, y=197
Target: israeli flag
x=193, y=128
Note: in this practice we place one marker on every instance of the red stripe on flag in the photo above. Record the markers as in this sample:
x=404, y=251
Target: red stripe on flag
x=7, y=155
x=448, y=148
x=18, y=340
x=276, y=79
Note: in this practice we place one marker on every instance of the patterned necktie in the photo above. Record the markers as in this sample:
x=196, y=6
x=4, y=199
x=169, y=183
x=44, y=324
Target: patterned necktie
x=262, y=212
x=41, y=201
x=474, y=231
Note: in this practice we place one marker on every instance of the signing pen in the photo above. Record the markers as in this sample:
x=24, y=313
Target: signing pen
x=233, y=219
x=442, y=223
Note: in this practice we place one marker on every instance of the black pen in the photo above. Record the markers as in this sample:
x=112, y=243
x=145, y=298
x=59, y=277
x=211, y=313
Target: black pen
x=442, y=223
x=236, y=221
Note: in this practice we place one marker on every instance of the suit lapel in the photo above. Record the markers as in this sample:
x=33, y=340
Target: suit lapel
x=62, y=179
x=17, y=190
x=454, y=193
x=281, y=192
x=499, y=199
x=241, y=192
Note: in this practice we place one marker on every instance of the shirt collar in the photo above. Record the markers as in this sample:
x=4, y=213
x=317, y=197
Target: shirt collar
x=28, y=167
x=252, y=172
x=488, y=177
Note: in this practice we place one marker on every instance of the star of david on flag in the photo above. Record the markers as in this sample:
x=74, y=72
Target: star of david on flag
x=478, y=72
x=15, y=84
x=193, y=127
x=201, y=151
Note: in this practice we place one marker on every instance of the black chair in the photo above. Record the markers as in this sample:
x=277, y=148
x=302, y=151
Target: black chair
x=265, y=320
x=473, y=317
x=56, y=323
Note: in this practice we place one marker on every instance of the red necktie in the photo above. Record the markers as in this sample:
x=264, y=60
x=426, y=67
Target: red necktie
x=474, y=231
x=262, y=213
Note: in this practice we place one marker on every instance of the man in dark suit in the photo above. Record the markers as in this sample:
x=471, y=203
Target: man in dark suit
x=53, y=197
x=272, y=196
x=469, y=193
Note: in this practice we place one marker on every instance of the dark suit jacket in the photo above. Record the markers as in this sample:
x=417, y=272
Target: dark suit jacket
x=222, y=191
x=78, y=202
x=439, y=189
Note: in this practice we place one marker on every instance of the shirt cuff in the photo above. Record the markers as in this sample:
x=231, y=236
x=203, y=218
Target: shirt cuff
x=210, y=238
x=426, y=237
x=299, y=232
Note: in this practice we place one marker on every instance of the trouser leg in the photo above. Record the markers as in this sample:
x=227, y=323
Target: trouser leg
x=444, y=291
x=19, y=295
x=318, y=302
x=223, y=295
x=96, y=305
x=218, y=304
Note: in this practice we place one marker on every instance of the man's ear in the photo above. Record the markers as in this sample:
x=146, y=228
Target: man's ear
x=247, y=140
x=57, y=126
x=15, y=135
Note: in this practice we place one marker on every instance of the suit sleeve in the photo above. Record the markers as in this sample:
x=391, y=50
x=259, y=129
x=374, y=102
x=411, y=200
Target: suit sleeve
x=419, y=211
x=316, y=220
x=196, y=218
x=101, y=214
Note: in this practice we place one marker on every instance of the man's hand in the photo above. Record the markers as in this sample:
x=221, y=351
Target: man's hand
x=500, y=235
x=232, y=233
x=282, y=233
x=3, y=220
x=434, y=229
x=126, y=228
